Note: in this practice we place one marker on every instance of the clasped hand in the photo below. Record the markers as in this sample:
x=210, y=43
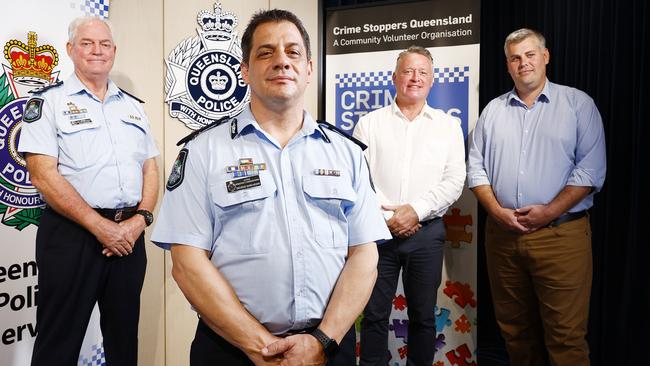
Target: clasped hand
x=295, y=350
x=119, y=238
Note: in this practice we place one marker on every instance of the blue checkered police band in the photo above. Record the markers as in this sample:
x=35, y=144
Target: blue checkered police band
x=358, y=93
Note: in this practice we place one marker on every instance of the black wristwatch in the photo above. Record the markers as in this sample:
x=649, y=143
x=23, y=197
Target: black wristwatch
x=330, y=347
x=148, y=216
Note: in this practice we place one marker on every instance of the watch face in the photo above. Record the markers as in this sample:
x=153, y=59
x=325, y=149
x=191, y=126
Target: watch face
x=148, y=216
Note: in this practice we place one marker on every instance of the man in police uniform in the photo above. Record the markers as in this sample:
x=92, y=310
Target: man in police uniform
x=90, y=153
x=271, y=219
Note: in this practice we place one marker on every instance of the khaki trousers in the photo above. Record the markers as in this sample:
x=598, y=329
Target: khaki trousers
x=541, y=283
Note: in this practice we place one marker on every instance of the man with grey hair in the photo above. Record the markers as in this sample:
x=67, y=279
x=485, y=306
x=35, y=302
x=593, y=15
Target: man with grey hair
x=416, y=156
x=537, y=157
x=90, y=153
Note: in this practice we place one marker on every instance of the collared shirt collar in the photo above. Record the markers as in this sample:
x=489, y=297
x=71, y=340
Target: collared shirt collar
x=74, y=86
x=426, y=111
x=246, y=123
x=544, y=96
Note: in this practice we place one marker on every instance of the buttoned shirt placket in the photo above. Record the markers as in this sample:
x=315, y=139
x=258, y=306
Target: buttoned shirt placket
x=528, y=122
x=109, y=123
x=290, y=191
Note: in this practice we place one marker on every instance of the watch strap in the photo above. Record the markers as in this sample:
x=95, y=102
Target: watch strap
x=148, y=216
x=330, y=346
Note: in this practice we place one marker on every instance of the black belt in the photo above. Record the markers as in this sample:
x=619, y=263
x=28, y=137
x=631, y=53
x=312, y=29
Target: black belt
x=297, y=331
x=117, y=214
x=567, y=217
x=427, y=222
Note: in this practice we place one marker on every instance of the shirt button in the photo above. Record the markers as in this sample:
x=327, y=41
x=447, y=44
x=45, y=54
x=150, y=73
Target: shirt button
x=520, y=194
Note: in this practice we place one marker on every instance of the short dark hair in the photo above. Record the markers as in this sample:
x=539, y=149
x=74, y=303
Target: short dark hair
x=267, y=16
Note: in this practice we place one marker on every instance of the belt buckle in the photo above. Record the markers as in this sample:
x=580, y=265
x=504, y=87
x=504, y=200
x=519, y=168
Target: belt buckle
x=118, y=215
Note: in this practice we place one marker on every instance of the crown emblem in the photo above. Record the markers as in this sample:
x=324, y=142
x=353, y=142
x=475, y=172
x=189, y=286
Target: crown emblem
x=31, y=64
x=218, y=81
x=218, y=25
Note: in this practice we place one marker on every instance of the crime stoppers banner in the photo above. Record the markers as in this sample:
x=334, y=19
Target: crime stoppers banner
x=361, y=46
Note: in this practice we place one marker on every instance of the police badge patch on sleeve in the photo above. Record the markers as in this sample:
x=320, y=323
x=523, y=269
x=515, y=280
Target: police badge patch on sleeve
x=33, y=110
x=178, y=170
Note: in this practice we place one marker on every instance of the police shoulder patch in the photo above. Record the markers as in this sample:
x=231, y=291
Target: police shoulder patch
x=33, y=110
x=178, y=170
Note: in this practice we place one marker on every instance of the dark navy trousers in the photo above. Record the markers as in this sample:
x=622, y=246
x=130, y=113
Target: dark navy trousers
x=420, y=259
x=209, y=349
x=73, y=275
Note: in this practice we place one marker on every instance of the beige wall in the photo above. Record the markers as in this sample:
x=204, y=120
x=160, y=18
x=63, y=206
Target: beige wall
x=146, y=31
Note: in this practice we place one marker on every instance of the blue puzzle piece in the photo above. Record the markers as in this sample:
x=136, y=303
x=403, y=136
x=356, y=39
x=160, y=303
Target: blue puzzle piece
x=442, y=319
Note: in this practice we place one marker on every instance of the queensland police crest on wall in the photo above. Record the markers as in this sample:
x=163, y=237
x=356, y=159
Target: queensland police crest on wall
x=204, y=82
x=29, y=67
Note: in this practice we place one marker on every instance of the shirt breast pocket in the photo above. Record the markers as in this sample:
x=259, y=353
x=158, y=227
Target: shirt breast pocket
x=133, y=138
x=246, y=216
x=327, y=197
x=80, y=142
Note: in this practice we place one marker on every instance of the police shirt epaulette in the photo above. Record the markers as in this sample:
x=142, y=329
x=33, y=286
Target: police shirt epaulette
x=131, y=95
x=47, y=87
x=201, y=130
x=331, y=127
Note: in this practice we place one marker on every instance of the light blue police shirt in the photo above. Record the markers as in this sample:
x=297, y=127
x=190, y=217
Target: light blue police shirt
x=100, y=147
x=282, y=244
x=528, y=155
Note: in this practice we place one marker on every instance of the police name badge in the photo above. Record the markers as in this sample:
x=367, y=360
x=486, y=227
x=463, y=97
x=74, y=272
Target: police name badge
x=243, y=183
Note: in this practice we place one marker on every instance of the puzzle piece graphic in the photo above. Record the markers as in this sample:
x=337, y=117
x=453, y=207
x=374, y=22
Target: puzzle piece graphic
x=402, y=352
x=401, y=328
x=461, y=356
x=357, y=349
x=463, y=293
x=440, y=342
x=462, y=324
x=455, y=225
x=442, y=319
x=439, y=363
x=399, y=302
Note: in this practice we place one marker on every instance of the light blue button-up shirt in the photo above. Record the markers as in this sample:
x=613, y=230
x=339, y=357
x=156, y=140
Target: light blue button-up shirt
x=282, y=244
x=528, y=155
x=100, y=146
